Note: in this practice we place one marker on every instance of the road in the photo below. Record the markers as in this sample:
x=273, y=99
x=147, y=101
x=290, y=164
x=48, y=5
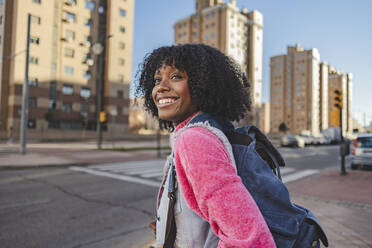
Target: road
x=107, y=205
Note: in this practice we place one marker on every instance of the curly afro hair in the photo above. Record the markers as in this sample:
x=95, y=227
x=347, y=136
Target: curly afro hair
x=217, y=85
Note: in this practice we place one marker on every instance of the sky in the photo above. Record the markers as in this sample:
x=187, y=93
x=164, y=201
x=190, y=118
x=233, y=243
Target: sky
x=340, y=29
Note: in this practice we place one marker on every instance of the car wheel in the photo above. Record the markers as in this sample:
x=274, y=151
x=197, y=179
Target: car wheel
x=354, y=166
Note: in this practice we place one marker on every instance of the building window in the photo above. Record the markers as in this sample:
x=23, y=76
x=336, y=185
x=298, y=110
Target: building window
x=69, y=52
x=123, y=12
x=31, y=124
x=120, y=94
x=70, y=35
x=71, y=18
x=52, y=104
x=36, y=1
x=54, y=66
x=35, y=40
x=1, y=20
x=33, y=82
x=67, y=89
x=121, y=78
x=89, y=5
x=122, y=29
x=87, y=75
x=34, y=60
x=70, y=2
x=122, y=45
x=68, y=70
x=32, y=102
x=66, y=107
x=89, y=22
x=35, y=20
x=84, y=108
x=121, y=61
x=85, y=92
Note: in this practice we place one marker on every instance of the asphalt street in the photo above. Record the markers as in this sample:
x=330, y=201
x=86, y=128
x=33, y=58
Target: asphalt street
x=103, y=205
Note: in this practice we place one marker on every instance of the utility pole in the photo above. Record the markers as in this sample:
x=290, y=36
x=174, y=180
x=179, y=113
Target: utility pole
x=24, y=116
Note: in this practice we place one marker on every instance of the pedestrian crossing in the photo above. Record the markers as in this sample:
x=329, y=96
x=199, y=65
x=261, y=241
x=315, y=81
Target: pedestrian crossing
x=151, y=172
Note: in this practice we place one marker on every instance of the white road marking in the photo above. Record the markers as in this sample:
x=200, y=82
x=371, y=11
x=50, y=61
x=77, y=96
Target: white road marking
x=151, y=172
x=286, y=170
x=298, y=175
x=116, y=176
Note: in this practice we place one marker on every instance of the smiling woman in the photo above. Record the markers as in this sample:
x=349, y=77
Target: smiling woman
x=178, y=84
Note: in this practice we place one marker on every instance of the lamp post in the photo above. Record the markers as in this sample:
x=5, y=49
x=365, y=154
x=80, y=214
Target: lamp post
x=97, y=50
x=24, y=116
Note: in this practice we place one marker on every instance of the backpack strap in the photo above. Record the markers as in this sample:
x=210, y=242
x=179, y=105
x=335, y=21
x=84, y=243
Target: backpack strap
x=171, y=229
x=264, y=148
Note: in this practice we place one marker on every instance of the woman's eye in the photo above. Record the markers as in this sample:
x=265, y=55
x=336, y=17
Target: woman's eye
x=176, y=76
x=157, y=81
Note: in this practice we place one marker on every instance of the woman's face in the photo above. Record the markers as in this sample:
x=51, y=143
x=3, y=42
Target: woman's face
x=171, y=94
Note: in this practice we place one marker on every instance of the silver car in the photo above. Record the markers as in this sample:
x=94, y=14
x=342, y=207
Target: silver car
x=362, y=151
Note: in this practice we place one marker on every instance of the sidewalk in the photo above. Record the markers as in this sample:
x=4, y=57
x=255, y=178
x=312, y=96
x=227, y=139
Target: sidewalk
x=75, y=154
x=343, y=205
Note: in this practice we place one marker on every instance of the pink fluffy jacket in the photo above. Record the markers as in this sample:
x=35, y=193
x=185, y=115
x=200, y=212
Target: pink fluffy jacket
x=214, y=191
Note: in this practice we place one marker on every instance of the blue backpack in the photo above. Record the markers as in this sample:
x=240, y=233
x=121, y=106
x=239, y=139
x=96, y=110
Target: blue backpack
x=258, y=162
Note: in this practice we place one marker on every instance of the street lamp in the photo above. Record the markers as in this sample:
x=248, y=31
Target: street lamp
x=24, y=116
x=97, y=50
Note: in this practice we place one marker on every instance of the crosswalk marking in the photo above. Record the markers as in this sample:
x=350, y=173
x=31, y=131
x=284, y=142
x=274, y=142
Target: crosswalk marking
x=116, y=176
x=151, y=172
x=298, y=175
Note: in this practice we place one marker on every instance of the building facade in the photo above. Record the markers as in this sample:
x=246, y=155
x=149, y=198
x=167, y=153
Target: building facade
x=237, y=33
x=76, y=48
x=265, y=117
x=341, y=81
x=294, y=90
x=302, y=92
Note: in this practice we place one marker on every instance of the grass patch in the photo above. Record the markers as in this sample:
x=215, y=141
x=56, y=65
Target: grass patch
x=143, y=148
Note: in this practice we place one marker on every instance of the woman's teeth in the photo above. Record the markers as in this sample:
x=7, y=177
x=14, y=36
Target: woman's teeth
x=167, y=100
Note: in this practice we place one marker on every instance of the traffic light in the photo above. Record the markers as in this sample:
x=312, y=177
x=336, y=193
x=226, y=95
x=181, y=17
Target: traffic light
x=338, y=99
x=102, y=116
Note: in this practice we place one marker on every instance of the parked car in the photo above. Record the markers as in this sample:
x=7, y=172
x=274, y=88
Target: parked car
x=362, y=151
x=288, y=140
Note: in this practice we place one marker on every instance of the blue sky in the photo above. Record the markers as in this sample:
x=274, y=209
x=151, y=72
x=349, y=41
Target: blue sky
x=341, y=30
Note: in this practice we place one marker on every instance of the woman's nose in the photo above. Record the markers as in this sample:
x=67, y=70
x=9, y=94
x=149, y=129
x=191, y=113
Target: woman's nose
x=163, y=86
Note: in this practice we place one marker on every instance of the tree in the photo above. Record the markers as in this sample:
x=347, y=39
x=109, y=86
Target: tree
x=282, y=127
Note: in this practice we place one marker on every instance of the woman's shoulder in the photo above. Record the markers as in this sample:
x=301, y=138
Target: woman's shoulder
x=197, y=138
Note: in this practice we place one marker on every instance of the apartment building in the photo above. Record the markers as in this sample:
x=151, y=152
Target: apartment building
x=76, y=46
x=341, y=81
x=294, y=90
x=237, y=33
x=302, y=92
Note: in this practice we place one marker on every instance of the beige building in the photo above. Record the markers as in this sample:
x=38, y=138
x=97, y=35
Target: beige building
x=64, y=68
x=341, y=81
x=294, y=90
x=237, y=33
x=265, y=117
x=302, y=92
